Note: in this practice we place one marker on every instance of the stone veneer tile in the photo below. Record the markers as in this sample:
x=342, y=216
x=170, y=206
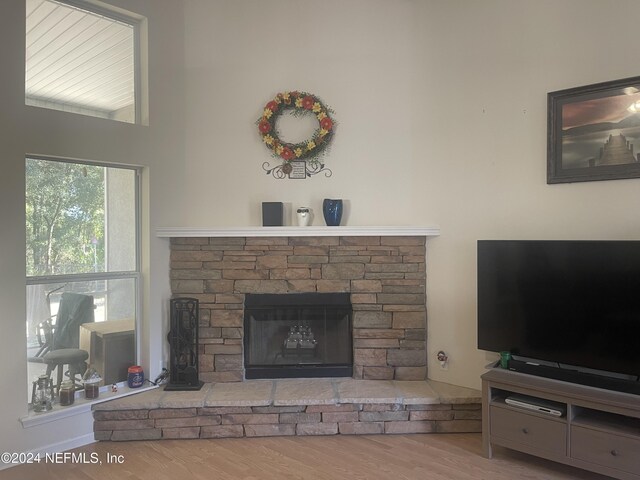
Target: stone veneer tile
x=367, y=391
x=454, y=394
x=175, y=412
x=184, y=432
x=317, y=391
x=411, y=373
x=416, y=392
x=308, y=250
x=346, y=407
x=401, y=415
x=346, y=240
x=316, y=429
x=250, y=393
x=121, y=415
x=202, y=420
x=266, y=241
x=334, y=417
x=300, y=417
x=361, y=428
x=185, y=399
x=313, y=241
x=343, y=271
x=439, y=415
x=371, y=320
x=272, y=430
x=409, y=319
x=403, y=240
x=406, y=358
x=223, y=410
x=102, y=435
x=221, y=431
x=250, y=419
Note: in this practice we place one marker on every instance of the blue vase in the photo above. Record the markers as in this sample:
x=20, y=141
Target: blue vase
x=332, y=211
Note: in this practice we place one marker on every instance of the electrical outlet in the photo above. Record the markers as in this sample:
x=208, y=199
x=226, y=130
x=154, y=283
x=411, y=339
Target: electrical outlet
x=443, y=360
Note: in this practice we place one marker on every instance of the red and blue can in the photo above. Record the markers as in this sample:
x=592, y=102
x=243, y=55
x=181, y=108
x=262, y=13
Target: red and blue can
x=135, y=376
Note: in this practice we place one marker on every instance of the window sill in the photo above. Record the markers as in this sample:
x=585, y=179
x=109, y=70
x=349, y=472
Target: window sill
x=80, y=406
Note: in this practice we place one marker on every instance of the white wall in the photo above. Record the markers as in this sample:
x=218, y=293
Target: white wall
x=29, y=130
x=484, y=71
x=356, y=55
x=442, y=120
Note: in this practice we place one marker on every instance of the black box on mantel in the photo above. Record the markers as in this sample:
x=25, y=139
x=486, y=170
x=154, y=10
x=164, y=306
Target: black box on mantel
x=272, y=214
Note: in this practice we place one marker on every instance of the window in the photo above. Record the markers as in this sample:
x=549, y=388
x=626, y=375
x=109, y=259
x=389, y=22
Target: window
x=82, y=241
x=83, y=59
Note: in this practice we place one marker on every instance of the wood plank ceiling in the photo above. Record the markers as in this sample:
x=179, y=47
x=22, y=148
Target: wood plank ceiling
x=78, y=58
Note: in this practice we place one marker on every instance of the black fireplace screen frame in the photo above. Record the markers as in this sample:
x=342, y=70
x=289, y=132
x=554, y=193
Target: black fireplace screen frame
x=184, y=367
x=328, y=303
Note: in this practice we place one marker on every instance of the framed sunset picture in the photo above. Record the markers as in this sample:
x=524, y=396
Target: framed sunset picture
x=594, y=132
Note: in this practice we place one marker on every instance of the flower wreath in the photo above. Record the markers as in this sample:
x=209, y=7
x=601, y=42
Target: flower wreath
x=301, y=103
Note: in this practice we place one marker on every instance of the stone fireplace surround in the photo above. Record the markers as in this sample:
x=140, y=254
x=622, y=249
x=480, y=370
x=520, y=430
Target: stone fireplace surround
x=384, y=273
x=385, y=276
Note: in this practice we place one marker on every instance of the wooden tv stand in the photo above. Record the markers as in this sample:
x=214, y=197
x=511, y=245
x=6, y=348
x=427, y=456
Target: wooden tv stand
x=600, y=431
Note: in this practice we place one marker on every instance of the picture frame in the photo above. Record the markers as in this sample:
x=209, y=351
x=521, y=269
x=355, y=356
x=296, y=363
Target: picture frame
x=298, y=169
x=593, y=132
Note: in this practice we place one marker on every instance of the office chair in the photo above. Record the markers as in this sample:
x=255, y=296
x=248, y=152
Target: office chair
x=59, y=342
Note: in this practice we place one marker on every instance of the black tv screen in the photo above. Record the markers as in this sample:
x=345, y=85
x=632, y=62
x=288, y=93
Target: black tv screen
x=575, y=303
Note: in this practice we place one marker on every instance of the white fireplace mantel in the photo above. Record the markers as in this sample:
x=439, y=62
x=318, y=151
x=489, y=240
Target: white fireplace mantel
x=346, y=231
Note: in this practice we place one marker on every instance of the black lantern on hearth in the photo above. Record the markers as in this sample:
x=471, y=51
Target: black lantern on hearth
x=183, y=342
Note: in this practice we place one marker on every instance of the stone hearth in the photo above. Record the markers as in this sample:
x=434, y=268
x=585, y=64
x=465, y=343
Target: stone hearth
x=384, y=275
x=257, y=408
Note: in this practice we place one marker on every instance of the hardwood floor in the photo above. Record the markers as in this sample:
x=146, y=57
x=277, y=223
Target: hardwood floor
x=424, y=457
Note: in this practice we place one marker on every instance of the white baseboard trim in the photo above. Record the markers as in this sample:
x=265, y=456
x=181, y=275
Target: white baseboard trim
x=57, y=447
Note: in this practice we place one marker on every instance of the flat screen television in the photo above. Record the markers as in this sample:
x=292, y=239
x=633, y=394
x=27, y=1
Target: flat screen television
x=573, y=305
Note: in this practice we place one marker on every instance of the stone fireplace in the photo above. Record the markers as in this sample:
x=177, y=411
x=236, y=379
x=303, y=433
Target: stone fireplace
x=383, y=275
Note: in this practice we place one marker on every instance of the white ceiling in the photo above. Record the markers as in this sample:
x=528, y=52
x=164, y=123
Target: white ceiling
x=78, y=58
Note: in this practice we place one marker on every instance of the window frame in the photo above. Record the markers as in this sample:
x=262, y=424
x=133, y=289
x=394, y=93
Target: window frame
x=135, y=274
x=138, y=23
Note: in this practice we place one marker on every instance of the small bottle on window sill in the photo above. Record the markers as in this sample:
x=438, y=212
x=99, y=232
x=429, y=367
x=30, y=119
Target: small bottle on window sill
x=92, y=381
x=67, y=394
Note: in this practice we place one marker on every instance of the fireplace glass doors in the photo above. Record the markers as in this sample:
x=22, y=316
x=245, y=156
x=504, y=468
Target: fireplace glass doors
x=298, y=335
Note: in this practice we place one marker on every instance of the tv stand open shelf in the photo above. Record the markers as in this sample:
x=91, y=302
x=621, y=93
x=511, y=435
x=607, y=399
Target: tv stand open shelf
x=599, y=432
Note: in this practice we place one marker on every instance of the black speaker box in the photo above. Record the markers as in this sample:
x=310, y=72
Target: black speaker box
x=272, y=214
